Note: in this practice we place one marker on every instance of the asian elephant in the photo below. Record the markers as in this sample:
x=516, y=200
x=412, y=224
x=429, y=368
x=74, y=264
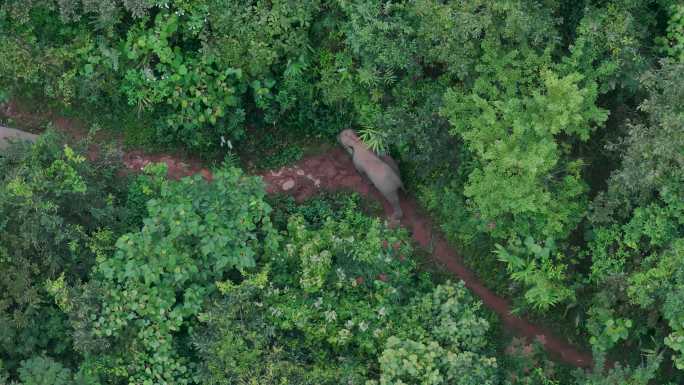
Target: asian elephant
x=7, y=134
x=383, y=172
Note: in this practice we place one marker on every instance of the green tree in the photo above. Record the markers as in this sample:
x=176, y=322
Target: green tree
x=638, y=222
x=46, y=230
x=524, y=183
x=143, y=296
x=343, y=293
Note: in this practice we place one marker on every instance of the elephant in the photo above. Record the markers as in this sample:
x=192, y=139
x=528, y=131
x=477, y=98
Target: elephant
x=10, y=134
x=383, y=172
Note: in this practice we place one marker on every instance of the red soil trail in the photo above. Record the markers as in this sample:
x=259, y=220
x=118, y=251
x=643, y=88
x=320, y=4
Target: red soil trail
x=334, y=171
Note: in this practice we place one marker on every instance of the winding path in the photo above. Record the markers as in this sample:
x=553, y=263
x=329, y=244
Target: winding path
x=334, y=171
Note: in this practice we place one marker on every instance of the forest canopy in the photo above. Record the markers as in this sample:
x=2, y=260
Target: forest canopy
x=545, y=138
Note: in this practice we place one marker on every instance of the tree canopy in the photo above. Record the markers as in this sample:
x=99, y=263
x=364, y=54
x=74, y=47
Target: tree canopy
x=545, y=137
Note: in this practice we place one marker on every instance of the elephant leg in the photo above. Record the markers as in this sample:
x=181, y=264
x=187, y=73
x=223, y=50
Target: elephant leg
x=361, y=170
x=393, y=198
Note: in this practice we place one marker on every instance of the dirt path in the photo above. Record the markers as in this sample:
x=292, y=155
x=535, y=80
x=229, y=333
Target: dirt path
x=334, y=171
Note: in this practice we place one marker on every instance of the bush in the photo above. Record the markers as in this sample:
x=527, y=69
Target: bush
x=636, y=240
x=53, y=205
x=339, y=294
x=144, y=296
x=496, y=110
x=43, y=371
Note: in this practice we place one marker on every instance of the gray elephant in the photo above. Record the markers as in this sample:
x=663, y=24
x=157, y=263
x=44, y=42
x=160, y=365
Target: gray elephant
x=382, y=172
x=7, y=134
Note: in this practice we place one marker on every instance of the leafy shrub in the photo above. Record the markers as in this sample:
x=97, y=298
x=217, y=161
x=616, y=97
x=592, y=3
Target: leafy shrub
x=636, y=243
x=149, y=291
x=142, y=189
x=318, y=209
x=53, y=204
x=448, y=353
x=339, y=294
x=43, y=371
x=673, y=43
x=198, y=92
x=543, y=275
x=642, y=374
x=527, y=364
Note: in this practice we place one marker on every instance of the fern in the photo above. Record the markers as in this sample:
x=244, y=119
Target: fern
x=543, y=278
x=231, y=160
x=375, y=139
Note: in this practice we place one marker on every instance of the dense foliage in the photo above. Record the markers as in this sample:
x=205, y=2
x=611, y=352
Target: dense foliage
x=339, y=306
x=205, y=289
x=638, y=222
x=544, y=136
x=156, y=279
x=46, y=233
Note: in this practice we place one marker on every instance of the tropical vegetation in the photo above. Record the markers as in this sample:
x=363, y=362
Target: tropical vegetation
x=545, y=137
